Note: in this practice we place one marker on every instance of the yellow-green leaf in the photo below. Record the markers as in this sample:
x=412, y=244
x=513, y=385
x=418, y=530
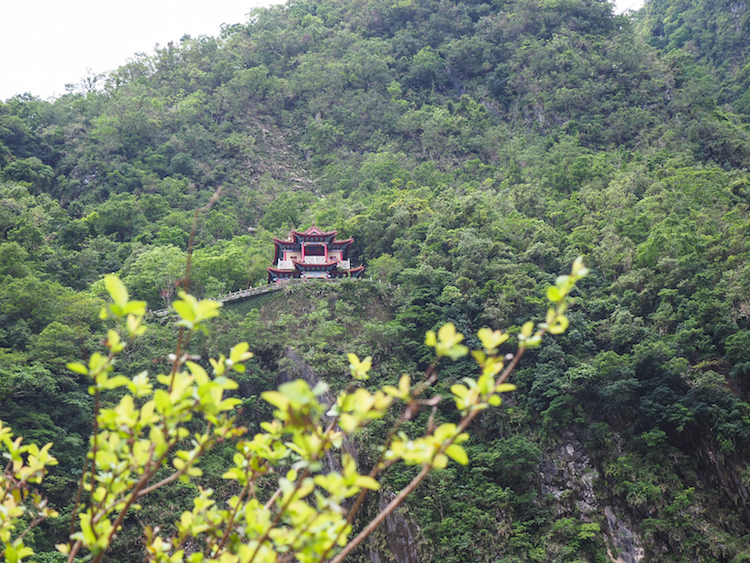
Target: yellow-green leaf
x=78, y=368
x=560, y=325
x=554, y=294
x=116, y=289
x=527, y=329
x=457, y=454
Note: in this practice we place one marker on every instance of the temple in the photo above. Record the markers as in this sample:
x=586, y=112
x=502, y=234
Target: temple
x=312, y=254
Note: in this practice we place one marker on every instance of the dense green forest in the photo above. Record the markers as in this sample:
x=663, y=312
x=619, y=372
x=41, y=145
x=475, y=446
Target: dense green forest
x=472, y=150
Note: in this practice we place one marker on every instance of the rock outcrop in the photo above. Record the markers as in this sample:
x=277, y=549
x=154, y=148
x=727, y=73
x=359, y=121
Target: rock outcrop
x=401, y=536
x=566, y=473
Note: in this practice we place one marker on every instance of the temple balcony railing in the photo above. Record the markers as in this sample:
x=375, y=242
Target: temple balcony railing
x=315, y=259
x=345, y=265
x=285, y=265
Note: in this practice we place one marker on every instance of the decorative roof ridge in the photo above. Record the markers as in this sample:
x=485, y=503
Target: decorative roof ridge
x=313, y=231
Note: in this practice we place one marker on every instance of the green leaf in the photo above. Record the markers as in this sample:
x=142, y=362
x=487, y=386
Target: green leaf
x=276, y=399
x=78, y=368
x=430, y=339
x=553, y=294
x=367, y=482
x=116, y=289
x=184, y=310
x=115, y=382
x=135, y=308
x=240, y=352
x=457, y=454
x=579, y=269
x=491, y=339
x=162, y=400
x=527, y=329
x=560, y=325
x=459, y=390
x=457, y=351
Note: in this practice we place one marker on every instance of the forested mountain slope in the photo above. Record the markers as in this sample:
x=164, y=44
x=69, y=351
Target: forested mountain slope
x=472, y=150
x=715, y=33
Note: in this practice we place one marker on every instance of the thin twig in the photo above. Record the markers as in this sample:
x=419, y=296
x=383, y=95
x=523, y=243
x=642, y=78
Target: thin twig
x=429, y=378
x=383, y=514
x=77, y=502
x=273, y=498
x=230, y=524
x=94, y=450
x=74, y=551
x=280, y=514
x=177, y=474
x=145, y=478
x=186, y=283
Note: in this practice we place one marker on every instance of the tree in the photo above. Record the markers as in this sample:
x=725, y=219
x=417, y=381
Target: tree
x=155, y=271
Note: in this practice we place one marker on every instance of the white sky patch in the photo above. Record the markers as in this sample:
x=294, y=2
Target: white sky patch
x=623, y=5
x=45, y=44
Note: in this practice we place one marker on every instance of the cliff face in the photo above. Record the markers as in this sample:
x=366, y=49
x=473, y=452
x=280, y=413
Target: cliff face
x=568, y=475
x=401, y=535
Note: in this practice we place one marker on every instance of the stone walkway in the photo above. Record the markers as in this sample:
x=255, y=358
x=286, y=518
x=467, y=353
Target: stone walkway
x=246, y=294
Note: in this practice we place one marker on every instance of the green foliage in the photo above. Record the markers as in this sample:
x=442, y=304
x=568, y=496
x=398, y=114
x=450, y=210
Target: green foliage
x=471, y=150
x=27, y=465
x=136, y=438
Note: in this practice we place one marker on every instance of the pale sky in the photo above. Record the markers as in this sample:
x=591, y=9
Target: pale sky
x=45, y=44
x=622, y=5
